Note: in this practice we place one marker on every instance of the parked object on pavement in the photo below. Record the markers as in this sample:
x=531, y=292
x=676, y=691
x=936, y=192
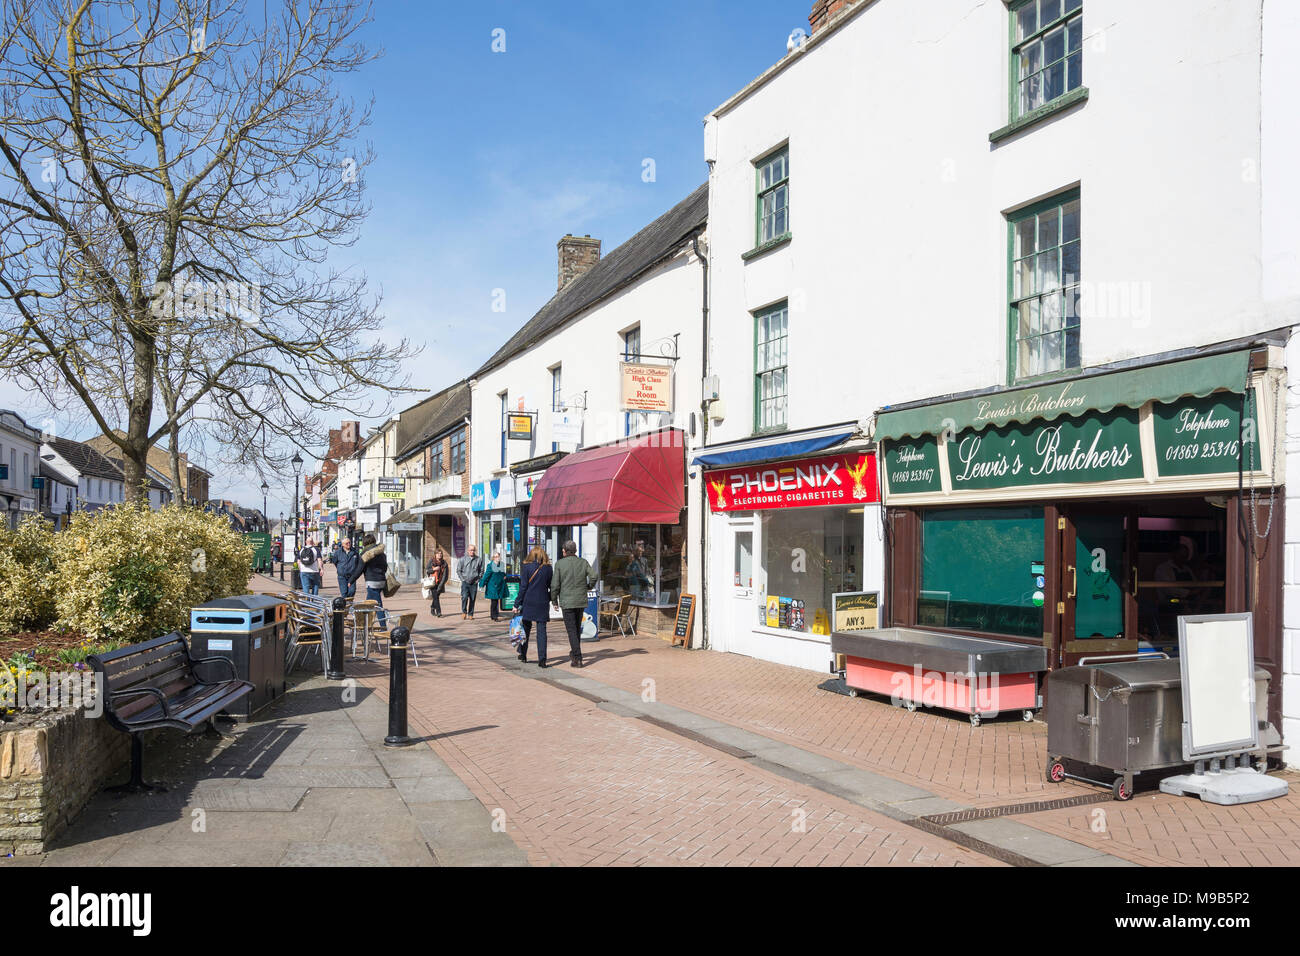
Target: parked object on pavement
x=157, y=685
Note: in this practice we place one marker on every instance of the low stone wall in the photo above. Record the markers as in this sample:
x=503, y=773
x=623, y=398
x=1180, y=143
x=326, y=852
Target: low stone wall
x=48, y=771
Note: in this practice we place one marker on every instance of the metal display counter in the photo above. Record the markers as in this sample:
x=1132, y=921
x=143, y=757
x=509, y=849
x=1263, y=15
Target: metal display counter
x=970, y=675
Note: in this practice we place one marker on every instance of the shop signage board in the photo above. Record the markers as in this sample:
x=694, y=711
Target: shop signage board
x=913, y=466
x=845, y=479
x=646, y=388
x=566, y=428
x=1205, y=436
x=856, y=610
x=1068, y=450
x=392, y=488
x=685, y=620
x=519, y=426
x=492, y=495
x=1162, y=444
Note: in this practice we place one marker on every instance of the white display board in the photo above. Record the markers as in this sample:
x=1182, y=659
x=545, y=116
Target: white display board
x=1217, y=659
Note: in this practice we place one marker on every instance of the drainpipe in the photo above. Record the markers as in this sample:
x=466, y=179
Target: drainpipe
x=704, y=438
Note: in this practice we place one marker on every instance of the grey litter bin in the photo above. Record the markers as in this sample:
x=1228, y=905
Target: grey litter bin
x=251, y=632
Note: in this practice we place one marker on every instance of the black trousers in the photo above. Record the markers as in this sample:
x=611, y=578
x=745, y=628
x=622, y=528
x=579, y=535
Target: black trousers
x=436, y=606
x=467, y=595
x=495, y=609
x=573, y=624
x=541, y=639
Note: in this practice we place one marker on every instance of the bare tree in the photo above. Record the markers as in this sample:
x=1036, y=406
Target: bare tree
x=172, y=182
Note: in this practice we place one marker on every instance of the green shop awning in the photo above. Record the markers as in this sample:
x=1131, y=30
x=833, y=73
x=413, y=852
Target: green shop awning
x=1131, y=388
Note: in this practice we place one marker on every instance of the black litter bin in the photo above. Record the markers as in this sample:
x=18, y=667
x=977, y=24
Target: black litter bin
x=250, y=631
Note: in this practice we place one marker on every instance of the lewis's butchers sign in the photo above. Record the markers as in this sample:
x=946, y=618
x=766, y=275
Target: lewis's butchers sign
x=806, y=483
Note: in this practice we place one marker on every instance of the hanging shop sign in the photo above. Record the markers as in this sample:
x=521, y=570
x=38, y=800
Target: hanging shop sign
x=392, y=488
x=646, y=388
x=519, y=426
x=566, y=428
x=845, y=479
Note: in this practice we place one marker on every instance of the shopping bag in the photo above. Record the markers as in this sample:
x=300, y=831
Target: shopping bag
x=516, y=630
x=391, y=584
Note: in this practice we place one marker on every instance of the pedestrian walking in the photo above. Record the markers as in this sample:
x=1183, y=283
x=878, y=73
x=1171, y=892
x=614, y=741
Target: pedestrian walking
x=310, y=560
x=535, y=601
x=469, y=569
x=439, y=569
x=346, y=561
x=374, y=568
x=570, y=582
x=494, y=585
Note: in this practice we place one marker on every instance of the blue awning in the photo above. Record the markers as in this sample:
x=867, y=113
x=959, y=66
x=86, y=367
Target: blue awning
x=770, y=452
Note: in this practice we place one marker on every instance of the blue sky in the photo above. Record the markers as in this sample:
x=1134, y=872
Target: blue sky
x=485, y=159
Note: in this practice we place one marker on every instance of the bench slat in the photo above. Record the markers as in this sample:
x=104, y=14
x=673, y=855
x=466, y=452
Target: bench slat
x=132, y=661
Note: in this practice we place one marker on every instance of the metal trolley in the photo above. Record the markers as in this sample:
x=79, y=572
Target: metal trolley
x=1123, y=716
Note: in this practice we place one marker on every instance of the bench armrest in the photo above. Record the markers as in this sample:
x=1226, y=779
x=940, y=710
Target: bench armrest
x=234, y=674
x=137, y=691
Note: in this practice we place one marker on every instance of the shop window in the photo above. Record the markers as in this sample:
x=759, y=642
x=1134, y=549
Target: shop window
x=808, y=555
x=980, y=570
x=1046, y=52
x=770, y=368
x=1045, y=280
x=643, y=561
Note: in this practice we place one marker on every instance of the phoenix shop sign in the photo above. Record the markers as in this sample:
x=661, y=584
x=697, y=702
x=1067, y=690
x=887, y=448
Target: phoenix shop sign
x=806, y=483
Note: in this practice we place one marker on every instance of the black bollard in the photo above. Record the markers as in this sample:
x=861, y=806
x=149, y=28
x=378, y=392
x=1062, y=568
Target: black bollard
x=397, y=644
x=282, y=570
x=336, y=641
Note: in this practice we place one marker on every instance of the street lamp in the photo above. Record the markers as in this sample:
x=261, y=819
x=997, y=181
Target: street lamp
x=281, y=545
x=266, y=522
x=296, y=461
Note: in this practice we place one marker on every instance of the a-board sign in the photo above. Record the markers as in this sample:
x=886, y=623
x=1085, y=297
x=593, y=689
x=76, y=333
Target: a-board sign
x=1216, y=656
x=856, y=610
x=685, y=620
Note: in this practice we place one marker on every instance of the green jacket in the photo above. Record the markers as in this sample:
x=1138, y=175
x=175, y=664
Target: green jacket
x=572, y=580
x=493, y=582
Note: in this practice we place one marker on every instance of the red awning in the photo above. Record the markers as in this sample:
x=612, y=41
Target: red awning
x=640, y=480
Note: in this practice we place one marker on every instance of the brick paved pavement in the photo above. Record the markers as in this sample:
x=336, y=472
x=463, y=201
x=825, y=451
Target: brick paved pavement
x=997, y=764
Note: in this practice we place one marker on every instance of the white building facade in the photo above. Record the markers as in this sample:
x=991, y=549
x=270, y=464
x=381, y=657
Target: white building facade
x=19, y=447
x=1096, y=237
x=609, y=369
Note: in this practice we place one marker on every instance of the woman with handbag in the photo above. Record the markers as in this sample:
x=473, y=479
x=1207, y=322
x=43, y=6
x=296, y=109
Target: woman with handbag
x=438, y=571
x=535, y=602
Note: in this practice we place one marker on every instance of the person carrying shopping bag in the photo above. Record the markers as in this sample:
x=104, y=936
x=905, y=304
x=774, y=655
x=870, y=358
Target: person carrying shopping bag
x=494, y=585
x=570, y=582
x=534, y=605
x=438, y=570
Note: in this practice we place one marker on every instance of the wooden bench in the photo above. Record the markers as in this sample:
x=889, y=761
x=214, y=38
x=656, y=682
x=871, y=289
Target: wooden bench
x=158, y=684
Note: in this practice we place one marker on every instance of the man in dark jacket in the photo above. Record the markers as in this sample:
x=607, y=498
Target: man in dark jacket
x=572, y=579
x=469, y=569
x=373, y=566
x=346, y=561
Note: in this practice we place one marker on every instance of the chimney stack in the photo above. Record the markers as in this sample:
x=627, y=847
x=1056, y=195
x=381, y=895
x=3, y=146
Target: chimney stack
x=824, y=10
x=577, y=255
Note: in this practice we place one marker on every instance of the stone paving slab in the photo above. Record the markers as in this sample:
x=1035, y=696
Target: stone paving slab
x=1027, y=841
x=307, y=783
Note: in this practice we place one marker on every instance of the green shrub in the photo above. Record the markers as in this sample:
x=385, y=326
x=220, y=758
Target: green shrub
x=129, y=573
x=28, y=578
